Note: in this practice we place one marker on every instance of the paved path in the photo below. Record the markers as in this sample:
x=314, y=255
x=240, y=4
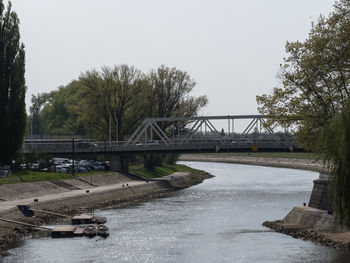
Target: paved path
x=8, y=205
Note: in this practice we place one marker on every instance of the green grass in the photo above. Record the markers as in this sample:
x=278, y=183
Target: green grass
x=29, y=176
x=163, y=170
x=297, y=155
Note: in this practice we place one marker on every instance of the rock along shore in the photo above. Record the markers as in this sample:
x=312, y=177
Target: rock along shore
x=69, y=196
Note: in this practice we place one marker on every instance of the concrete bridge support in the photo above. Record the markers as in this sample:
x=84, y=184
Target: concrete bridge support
x=119, y=163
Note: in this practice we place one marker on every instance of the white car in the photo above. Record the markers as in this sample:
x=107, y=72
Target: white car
x=243, y=141
x=148, y=143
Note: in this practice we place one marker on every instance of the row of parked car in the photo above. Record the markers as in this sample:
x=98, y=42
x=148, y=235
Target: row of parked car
x=63, y=165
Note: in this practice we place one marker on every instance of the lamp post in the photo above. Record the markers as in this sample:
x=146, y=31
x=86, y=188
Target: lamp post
x=116, y=127
x=31, y=132
x=110, y=132
x=73, y=157
x=105, y=156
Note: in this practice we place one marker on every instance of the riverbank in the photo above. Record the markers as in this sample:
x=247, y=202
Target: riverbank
x=69, y=196
x=294, y=163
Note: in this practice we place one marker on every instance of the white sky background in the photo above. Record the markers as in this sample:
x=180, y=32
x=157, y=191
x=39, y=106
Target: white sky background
x=231, y=48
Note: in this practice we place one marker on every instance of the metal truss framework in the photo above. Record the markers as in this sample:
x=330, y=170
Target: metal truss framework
x=152, y=127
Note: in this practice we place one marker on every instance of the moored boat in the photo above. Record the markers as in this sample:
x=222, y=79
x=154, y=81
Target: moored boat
x=90, y=231
x=102, y=230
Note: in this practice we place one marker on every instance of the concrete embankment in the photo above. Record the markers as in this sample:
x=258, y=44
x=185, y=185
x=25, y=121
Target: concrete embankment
x=69, y=196
x=314, y=225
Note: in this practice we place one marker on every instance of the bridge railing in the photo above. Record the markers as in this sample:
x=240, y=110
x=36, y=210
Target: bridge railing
x=200, y=132
x=102, y=146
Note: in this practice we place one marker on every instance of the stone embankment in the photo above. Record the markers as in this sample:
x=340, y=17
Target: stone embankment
x=69, y=196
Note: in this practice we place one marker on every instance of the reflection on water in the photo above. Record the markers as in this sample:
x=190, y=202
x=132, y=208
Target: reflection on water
x=216, y=221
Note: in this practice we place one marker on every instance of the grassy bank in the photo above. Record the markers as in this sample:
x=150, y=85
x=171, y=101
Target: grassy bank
x=163, y=170
x=29, y=176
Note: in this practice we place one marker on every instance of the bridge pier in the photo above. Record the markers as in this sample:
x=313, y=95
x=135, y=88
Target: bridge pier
x=119, y=163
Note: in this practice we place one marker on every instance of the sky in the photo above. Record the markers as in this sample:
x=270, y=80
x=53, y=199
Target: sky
x=231, y=48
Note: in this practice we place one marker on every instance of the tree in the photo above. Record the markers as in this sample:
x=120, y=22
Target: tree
x=59, y=115
x=38, y=102
x=111, y=97
x=118, y=99
x=315, y=78
x=171, y=88
x=337, y=140
x=316, y=85
x=12, y=85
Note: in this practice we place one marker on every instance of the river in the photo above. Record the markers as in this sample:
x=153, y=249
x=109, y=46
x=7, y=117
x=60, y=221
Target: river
x=216, y=221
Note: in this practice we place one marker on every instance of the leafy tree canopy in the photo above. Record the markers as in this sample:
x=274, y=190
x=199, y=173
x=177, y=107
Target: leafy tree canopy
x=117, y=98
x=314, y=96
x=315, y=78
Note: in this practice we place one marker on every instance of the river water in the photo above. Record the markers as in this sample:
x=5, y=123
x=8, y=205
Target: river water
x=216, y=221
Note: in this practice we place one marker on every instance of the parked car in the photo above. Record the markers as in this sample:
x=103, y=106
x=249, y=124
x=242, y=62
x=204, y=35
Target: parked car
x=60, y=169
x=241, y=141
x=148, y=143
x=61, y=161
x=4, y=173
x=85, y=145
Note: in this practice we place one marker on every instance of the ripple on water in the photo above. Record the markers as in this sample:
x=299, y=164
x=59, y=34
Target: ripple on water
x=216, y=221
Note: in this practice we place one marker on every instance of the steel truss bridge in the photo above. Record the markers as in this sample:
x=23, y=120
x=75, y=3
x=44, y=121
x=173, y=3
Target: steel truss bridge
x=169, y=135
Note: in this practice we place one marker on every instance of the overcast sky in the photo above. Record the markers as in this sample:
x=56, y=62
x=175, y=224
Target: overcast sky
x=231, y=48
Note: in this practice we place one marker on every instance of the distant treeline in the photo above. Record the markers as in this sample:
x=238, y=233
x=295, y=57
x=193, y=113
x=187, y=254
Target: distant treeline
x=113, y=98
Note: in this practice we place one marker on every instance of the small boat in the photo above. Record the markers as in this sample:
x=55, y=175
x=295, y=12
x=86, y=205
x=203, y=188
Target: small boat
x=90, y=231
x=88, y=219
x=102, y=230
x=99, y=220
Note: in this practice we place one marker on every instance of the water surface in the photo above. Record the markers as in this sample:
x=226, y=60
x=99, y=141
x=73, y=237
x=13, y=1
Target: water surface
x=216, y=221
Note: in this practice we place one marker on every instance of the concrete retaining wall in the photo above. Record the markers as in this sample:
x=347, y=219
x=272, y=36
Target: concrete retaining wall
x=322, y=195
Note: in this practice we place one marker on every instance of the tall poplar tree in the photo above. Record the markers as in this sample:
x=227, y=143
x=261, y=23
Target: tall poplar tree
x=12, y=85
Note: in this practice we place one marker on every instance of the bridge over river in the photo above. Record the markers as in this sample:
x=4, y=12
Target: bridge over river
x=163, y=135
